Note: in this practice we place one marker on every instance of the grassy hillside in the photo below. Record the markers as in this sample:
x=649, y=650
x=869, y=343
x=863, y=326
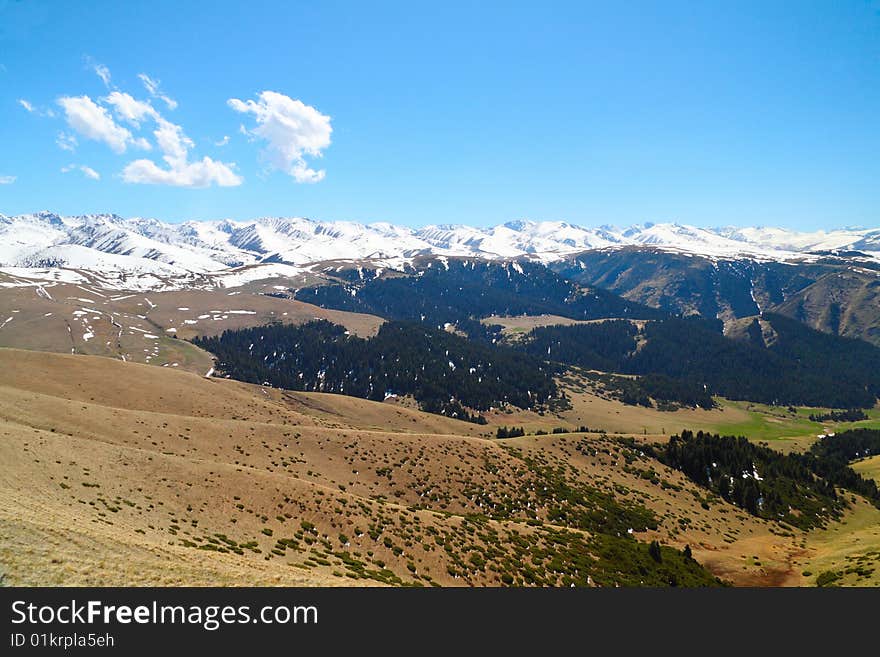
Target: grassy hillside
x=178, y=479
x=206, y=481
x=148, y=327
x=845, y=302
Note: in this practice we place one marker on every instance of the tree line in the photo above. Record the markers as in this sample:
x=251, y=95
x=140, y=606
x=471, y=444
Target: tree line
x=848, y=415
x=444, y=372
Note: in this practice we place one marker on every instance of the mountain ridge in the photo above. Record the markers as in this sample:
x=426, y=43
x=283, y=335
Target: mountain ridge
x=32, y=240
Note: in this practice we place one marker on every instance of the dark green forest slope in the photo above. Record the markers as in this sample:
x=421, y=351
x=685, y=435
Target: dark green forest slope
x=443, y=371
x=463, y=291
x=799, y=489
x=802, y=366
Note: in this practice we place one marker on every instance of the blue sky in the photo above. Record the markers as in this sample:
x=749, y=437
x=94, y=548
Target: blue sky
x=705, y=113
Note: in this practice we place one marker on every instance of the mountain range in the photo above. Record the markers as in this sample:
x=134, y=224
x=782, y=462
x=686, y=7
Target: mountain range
x=110, y=242
x=829, y=280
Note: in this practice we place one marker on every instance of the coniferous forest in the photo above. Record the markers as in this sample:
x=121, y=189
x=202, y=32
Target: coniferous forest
x=444, y=372
x=689, y=360
x=799, y=489
x=463, y=291
x=847, y=446
x=677, y=361
x=848, y=415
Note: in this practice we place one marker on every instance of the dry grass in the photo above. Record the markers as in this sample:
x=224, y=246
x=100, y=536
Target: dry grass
x=106, y=484
x=850, y=549
x=869, y=467
x=149, y=327
x=521, y=324
x=588, y=408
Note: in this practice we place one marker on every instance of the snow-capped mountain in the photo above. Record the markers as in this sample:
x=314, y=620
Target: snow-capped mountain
x=138, y=245
x=785, y=239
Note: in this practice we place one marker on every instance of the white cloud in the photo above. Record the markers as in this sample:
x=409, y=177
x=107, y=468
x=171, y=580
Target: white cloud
x=152, y=86
x=186, y=174
x=88, y=172
x=29, y=106
x=94, y=122
x=99, y=69
x=105, y=120
x=142, y=143
x=223, y=141
x=292, y=131
x=175, y=146
x=129, y=109
x=102, y=72
x=66, y=141
x=172, y=142
x=7, y=180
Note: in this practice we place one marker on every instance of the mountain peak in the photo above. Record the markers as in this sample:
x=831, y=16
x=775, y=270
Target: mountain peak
x=519, y=224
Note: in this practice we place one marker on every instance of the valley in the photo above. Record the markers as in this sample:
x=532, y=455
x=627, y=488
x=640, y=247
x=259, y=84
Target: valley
x=132, y=456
